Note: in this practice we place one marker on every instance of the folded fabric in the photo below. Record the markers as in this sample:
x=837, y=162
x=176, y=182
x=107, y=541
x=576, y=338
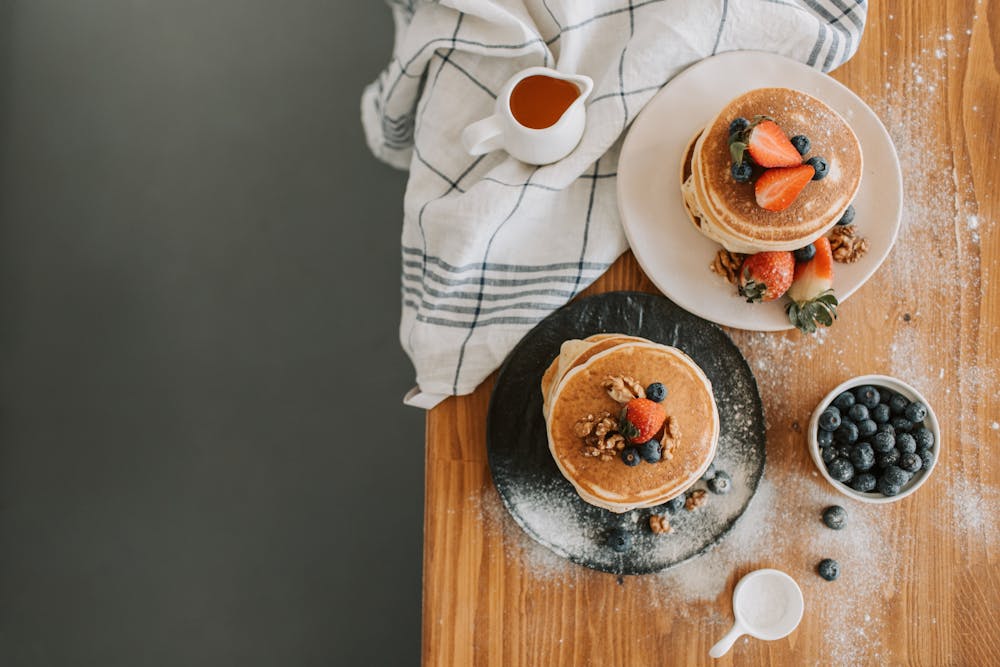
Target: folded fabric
x=490, y=245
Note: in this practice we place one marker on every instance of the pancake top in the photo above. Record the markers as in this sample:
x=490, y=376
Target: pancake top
x=689, y=401
x=819, y=204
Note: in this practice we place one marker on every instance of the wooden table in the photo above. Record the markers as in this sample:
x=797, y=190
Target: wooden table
x=930, y=70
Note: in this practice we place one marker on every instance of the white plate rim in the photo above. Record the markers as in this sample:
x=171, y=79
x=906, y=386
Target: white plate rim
x=753, y=69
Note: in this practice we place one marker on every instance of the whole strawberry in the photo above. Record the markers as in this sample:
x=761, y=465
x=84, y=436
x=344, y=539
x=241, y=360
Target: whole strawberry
x=813, y=302
x=641, y=420
x=766, y=276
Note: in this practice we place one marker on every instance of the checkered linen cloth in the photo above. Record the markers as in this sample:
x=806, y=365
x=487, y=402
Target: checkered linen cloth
x=490, y=245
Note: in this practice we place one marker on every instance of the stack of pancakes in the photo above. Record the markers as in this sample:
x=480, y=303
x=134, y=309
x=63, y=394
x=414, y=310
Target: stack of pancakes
x=727, y=212
x=572, y=389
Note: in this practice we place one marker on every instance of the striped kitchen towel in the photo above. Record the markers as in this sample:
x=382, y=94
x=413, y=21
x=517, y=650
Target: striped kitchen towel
x=490, y=246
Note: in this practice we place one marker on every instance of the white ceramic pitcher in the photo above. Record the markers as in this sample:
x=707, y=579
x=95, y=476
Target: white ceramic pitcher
x=533, y=146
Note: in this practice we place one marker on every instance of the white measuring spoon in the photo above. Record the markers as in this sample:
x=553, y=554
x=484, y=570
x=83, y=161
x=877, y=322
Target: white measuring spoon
x=767, y=605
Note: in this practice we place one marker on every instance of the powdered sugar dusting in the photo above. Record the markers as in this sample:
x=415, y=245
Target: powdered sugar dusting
x=784, y=517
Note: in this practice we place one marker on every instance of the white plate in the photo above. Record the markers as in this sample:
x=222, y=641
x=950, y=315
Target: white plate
x=671, y=251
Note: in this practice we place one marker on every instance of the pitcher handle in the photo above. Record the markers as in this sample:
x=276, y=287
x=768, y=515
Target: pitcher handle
x=483, y=136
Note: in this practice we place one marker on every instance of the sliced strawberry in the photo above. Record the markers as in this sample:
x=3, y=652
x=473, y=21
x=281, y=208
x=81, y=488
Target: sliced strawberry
x=642, y=419
x=766, y=275
x=813, y=302
x=770, y=147
x=776, y=189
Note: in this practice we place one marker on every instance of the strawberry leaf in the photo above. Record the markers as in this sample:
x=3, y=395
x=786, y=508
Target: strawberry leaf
x=628, y=430
x=736, y=150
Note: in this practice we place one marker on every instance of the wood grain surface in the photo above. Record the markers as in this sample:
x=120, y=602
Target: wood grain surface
x=930, y=70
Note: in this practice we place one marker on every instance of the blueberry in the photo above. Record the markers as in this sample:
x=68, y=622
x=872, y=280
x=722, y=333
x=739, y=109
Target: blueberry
x=905, y=443
x=630, y=455
x=828, y=454
x=901, y=424
x=829, y=569
x=880, y=413
x=866, y=428
x=675, y=505
x=656, y=392
x=619, y=540
x=887, y=428
x=867, y=396
x=895, y=475
x=857, y=412
x=886, y=459
x=650, y=451
x=844, y=401
x=801, y=143
x=840, y=469
x=742, y=172
x=824, y=438
x=846, y=433
x=848, y=216
x=863, y=457
x=924, y=438
x=738, y=125
x=829, y=419
x=806, y=253
x=910, y=462
x=926, y=458
x=835, y=517
x=844, y=451
x=915, y=412
x=898, y=403
x=721, y=484
x=883, y=442
x=820, y=166
x=884, y=487
x=709, y=472
x=864, y=483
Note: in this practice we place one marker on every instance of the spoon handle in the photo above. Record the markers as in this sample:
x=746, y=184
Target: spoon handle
x=723, y=645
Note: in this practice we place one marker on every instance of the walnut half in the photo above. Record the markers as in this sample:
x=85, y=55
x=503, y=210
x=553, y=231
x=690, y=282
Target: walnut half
x=660, y=524
x=846, y=245
x=622, y=388
x=727, y=264
x=695, y=499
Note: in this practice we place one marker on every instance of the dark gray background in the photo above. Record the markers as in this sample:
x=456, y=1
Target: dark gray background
x=203, y=455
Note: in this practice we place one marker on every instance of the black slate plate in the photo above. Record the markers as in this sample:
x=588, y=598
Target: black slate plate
x=545, y=504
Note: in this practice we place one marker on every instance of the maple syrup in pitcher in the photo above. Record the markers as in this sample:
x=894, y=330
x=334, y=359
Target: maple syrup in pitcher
x=539, y=101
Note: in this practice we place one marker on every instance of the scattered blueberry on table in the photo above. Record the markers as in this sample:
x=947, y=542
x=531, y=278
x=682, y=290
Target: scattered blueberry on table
x=829, y=569
x=874, y=440
x=835, y=517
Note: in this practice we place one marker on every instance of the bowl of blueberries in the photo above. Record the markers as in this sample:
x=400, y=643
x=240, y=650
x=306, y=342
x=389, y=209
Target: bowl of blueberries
x=874, y=438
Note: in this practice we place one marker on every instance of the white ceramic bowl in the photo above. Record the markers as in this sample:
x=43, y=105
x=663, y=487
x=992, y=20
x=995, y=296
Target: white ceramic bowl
x=899, y=387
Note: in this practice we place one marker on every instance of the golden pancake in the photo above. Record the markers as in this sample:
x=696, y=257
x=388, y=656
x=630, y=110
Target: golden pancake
x=572, y=353
x=612, y=484
x=728, y=212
